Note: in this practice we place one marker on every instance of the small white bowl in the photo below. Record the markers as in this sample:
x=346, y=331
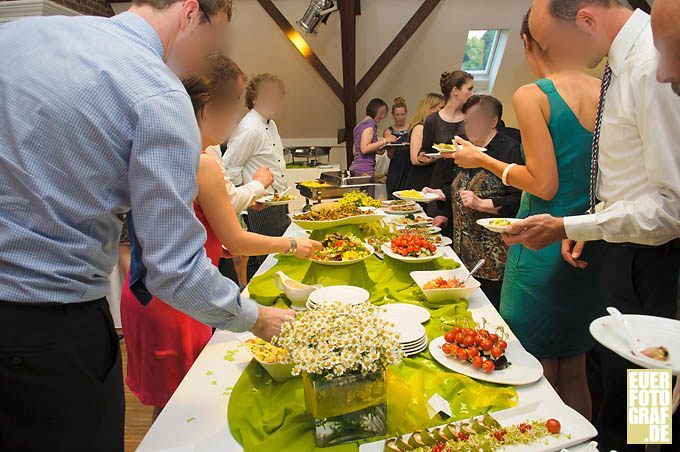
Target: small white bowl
x=441, y=296
x=279, y=372
x=295, y=291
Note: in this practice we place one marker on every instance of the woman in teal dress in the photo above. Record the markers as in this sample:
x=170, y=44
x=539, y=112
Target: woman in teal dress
x=547, y=303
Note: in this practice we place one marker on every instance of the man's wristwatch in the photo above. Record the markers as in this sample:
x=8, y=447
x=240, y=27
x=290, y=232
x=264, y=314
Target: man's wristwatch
x=293, y=247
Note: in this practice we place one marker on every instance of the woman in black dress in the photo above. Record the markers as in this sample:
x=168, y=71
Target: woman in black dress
x=397, y=174
x=441, y=127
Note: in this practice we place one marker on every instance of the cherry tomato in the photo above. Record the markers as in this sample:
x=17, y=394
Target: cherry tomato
x=488, y=366
x=462, y=354
x=457, y=330
x=468, y=340
x=493, y=337
x=468, y=331
x=477, y=361
x=502, y=344
x=454, y=349
x=463, y=436
x=473, y=351
x=496, y=352
x=553, y=426
x=483, y=333
x=478, y=338
x=446, y=348
x=523, y=427
x=486, y=345
x=459, y=338
x=450, y=337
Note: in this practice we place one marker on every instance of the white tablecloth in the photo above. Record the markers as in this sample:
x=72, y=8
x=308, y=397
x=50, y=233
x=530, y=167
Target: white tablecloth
x=195, y=419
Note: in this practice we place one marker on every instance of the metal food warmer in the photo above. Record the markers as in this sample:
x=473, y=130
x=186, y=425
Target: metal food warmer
x=310, y=156
x=336, y=184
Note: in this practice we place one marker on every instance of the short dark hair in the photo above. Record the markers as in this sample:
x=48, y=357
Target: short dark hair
x=455, y=79
x=373, y=106
x=214, y=84
x=254, y=84
x=489, y=103
x=567, y=9
x=211, y=7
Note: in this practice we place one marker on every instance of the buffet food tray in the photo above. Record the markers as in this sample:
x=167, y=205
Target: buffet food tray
x=333, y=191
x=344, y=178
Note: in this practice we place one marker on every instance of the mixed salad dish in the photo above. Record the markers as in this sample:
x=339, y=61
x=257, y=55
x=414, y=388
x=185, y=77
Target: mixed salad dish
x=330, y=214
x=441, y=283
x=341, y=248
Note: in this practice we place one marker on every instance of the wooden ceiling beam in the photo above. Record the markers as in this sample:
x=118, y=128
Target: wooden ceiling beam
x=395, y=46
x=298, y=41
x=348, y=39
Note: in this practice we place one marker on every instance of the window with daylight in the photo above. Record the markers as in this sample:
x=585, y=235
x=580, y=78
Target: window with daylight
x=480, y=50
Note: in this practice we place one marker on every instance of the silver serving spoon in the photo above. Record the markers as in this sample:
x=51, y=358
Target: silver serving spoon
x=474, y=269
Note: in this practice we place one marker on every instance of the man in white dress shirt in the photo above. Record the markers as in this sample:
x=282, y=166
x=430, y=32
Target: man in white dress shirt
x=256, y=144
x=635, y=181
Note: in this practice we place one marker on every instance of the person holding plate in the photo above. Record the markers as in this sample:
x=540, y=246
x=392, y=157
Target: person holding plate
x=477, y=193
x=556, y=115
x=162, y=342
x=366, y=143
x=400, y=164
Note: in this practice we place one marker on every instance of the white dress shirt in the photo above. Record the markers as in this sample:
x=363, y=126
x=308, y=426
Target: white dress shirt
x=639, y=177
x=240, y=197
x=256, y=143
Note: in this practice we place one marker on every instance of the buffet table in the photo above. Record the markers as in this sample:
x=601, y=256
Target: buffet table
x=195, y=419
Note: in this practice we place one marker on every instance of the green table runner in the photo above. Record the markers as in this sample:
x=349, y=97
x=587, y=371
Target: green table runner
x=268, y=416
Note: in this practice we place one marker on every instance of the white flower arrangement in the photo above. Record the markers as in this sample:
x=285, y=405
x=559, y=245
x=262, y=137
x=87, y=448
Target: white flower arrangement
x=338, y=339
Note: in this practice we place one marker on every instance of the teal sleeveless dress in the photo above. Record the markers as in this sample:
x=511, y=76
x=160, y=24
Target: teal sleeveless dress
x=547, y=303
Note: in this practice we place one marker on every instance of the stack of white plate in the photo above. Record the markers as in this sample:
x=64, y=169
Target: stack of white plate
x=343, y=294
x=407, y=320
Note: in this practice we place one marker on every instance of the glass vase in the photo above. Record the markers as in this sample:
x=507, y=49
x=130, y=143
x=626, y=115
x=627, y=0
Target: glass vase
x=346, y=408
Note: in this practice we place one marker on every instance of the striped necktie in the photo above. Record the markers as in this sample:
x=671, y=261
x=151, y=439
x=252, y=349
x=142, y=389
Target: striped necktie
x=606, y=80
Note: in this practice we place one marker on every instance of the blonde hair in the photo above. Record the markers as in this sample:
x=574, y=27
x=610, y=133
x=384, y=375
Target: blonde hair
x=425, y=108
x=254, y=84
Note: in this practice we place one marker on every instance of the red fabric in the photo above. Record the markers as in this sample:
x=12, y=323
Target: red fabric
x=162, y=342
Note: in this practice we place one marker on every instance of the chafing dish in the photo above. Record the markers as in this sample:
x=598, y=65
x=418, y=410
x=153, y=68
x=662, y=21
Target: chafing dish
x=310, y=155
x=336, y=184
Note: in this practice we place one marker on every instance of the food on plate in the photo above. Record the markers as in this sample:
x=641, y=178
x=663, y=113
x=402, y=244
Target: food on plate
x=398, y=202
x=409, y=208
x=415, y=194
x=359, y=199
x=484, y=434
x=330, y=214
x=659, y=353
x=445, y=147
x=314, y=184
x=278, y=197
x=501, y=222
x=378, y=233
x=266, y=352
x=339, y=247
x=421, y=229
x=441, y=283
x=479, y=347
x=412, y=245
x=410, y=220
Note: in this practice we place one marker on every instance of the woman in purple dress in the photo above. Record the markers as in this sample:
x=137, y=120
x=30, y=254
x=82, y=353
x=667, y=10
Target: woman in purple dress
x=366, y=144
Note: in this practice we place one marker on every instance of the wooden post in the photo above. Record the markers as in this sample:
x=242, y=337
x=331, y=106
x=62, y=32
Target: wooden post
x=348, y=39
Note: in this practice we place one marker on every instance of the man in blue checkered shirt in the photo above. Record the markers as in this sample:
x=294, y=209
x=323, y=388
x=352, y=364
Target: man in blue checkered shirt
x=94, y=122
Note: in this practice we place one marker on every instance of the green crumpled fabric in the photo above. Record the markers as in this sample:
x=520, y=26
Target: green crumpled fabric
x=268, y=416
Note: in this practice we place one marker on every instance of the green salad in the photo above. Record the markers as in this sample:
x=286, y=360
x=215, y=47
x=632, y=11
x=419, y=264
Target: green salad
x=339, y=247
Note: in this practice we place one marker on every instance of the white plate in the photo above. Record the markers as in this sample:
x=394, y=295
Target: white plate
x=445, y=241
x=416, y=351
x=415, y=344
x=343, y=294
x=434, y=155
x=398, y=312
x=575, y=428
x=267, y=201
x=416, y=210
x=444, y=295
x=392, y=202
x=349, y=262
x=430, y=231
x=410, y=332
x=397, y=219
x=486, y=223
x=654, y=330
x=523, y=368
x=427, y=197
x=386, y=249
x=442, y=150
x=314, y=225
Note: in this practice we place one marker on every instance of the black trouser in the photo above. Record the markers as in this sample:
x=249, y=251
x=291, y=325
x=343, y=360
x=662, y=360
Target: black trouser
x=228, y=270
x=636, y=281
x=272, y=221
x=492, y=290
x=61, y=381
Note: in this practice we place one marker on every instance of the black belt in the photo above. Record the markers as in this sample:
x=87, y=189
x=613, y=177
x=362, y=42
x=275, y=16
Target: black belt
x=672, y=245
